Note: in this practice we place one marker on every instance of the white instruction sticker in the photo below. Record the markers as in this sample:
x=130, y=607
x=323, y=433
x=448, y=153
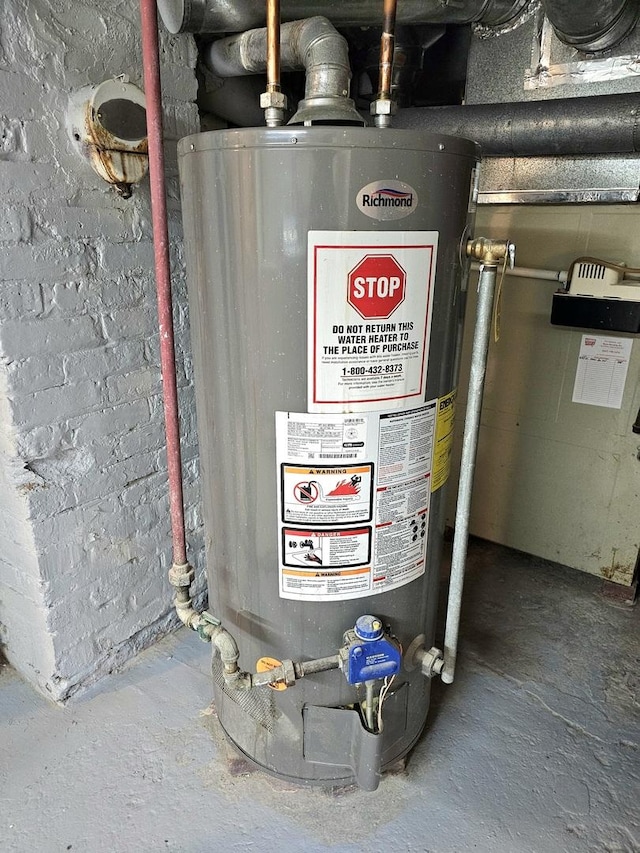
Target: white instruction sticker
x=357, y=524
x=370, y=300
x=601, y=373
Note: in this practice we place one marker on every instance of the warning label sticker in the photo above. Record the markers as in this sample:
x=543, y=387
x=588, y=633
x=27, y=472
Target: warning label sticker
x=313, y=548
x=370, y=299
x=326, y=494
x=327, y=550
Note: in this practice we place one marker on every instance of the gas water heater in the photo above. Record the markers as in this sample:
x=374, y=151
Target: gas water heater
x=326, y=276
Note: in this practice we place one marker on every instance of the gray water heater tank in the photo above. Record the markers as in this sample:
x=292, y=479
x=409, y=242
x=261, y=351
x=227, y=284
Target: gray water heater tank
x=326, y=277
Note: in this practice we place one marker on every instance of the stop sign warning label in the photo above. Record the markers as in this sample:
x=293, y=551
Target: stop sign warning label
x=370, y=302
x=377, y=286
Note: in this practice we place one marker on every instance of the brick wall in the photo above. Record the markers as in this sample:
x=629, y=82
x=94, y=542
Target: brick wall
x=85, y=530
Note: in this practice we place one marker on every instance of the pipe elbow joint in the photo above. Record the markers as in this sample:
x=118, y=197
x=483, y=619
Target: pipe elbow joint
x=226, y=646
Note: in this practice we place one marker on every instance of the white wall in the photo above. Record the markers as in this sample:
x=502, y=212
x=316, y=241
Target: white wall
x=84, y=532
x=557, y=479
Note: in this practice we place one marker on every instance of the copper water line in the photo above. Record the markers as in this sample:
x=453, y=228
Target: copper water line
x=151, y=70
x=386, y=48
x=273, y=45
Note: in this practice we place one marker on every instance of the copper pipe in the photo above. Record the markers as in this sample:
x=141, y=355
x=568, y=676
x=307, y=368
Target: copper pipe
x=151, y=68
x=386, y=48
x=273, y=45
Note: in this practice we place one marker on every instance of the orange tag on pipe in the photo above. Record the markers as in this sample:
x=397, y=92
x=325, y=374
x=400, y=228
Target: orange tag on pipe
x=267, y=664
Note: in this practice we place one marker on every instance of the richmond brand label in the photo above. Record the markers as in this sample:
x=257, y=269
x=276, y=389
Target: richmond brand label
x=386, y=200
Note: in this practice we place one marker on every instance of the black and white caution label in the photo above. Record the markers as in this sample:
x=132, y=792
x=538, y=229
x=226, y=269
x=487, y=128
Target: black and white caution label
x=355, y=524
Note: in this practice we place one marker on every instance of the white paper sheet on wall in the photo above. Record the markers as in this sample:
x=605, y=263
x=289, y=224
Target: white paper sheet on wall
x=602, y=371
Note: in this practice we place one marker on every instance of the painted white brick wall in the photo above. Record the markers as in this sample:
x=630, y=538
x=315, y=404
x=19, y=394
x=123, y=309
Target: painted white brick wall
x=84, y=530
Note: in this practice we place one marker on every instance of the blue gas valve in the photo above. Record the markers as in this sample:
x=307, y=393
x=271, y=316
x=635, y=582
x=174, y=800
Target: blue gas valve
x=369, y=652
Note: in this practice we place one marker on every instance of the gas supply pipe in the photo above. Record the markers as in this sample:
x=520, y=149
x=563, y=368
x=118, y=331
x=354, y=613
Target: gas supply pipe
x=181, y=574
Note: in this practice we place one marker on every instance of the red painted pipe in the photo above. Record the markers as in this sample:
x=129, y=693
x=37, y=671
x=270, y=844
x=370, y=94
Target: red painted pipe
x=153, y=94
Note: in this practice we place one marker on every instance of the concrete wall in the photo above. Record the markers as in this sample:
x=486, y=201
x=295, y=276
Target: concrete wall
x=84, y=533
x=557, y=479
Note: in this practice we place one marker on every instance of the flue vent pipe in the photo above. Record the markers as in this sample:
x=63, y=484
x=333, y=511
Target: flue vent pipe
x=313, y=44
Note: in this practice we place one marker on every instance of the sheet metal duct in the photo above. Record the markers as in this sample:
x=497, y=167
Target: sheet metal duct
x=604, y=124
x=218, y=16
x=591, y=25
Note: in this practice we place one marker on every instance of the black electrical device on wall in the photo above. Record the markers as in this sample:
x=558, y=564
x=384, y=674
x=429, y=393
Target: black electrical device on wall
x=596, y=296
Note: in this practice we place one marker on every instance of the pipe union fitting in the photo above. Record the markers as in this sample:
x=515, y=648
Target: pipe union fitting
x=384, y=107
x=181, y=575
x=275, y=100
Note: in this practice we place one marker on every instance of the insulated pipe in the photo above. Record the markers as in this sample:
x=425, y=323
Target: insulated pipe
x=484, y=314
x=313, y=44
x=232, y=16
x=591, y=25
x=151, y=70
x=599, y=124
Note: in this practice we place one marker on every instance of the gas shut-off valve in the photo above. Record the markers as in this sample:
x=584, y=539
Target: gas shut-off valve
x=369, y=653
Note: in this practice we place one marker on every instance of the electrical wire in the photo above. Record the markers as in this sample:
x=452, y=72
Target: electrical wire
x=384, y=690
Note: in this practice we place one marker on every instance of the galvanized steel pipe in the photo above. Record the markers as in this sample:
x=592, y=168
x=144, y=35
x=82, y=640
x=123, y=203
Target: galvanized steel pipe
x=484, y=311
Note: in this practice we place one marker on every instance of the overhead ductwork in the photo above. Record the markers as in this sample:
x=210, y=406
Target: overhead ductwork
x=220, y=16
x=603, y=124
x=591, y=26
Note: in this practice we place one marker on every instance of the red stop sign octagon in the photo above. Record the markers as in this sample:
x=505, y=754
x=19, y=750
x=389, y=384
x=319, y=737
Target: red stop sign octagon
x=376, y=286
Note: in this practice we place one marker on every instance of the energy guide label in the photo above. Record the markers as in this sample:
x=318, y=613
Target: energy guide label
x=357, y=524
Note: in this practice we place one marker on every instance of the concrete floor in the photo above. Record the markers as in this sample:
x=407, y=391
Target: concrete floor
x=536, y=747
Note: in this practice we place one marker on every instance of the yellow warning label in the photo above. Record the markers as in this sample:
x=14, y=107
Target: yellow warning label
x=267, y=664
x=444, y=440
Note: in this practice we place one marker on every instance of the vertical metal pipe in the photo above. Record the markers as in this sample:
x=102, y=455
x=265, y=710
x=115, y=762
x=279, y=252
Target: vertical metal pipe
x=369, y=703
x=273, y=45
x=386, y=48
x=484, y=312
x=151, y=67
x=383, y=107
x=272, y=101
